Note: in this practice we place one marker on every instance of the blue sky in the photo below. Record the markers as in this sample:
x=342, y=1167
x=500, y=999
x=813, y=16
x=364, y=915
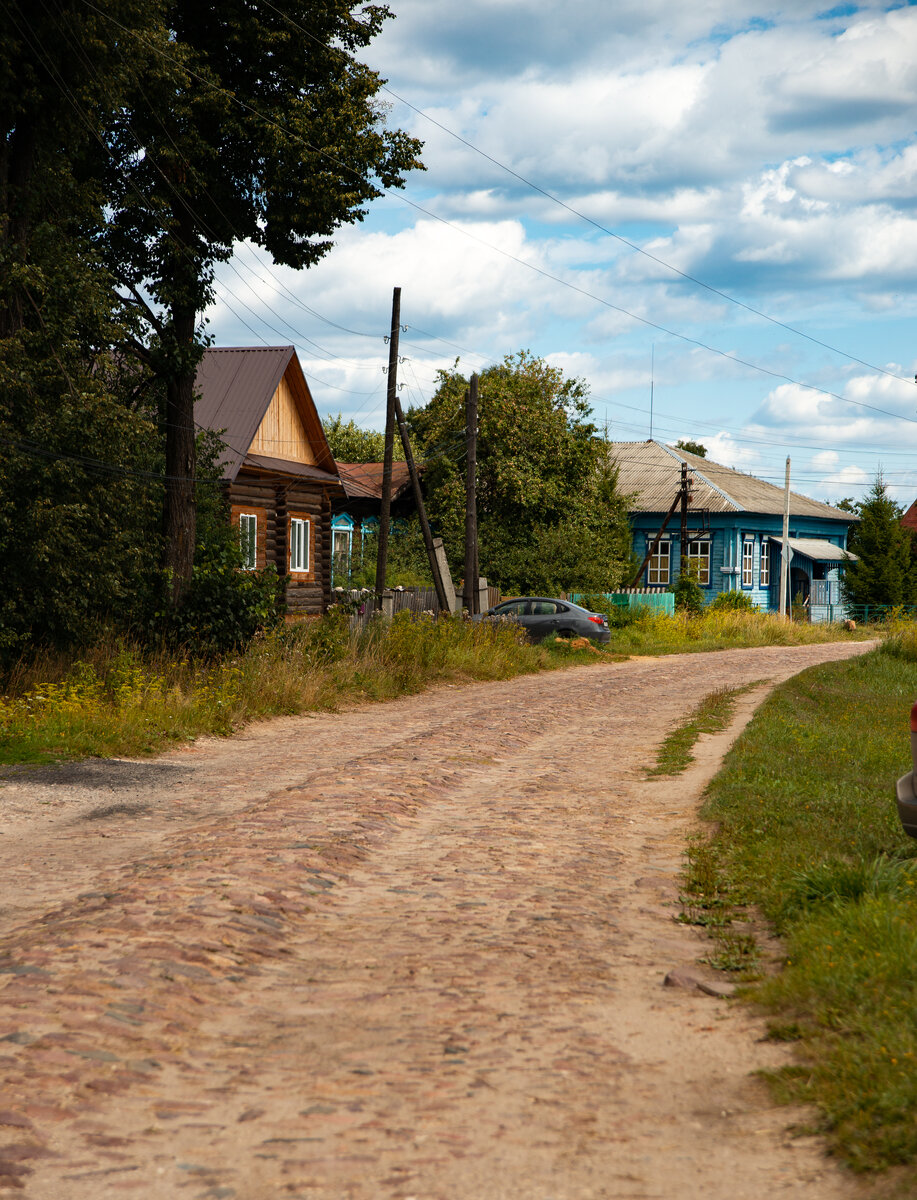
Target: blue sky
x=765, y=150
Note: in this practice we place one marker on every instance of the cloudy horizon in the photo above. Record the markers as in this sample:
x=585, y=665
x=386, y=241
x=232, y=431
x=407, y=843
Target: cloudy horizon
x=765, y=151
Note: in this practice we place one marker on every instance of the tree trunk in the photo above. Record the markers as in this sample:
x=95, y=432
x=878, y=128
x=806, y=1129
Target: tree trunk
x=179, y=513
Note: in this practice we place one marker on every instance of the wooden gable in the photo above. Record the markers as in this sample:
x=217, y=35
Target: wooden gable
x=282, y=432
x=288, y=427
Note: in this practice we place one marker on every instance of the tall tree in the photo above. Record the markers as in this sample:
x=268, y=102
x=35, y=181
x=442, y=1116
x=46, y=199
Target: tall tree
x=550, y=517
x=251, y=124
x=883, y=573
x=77, y=449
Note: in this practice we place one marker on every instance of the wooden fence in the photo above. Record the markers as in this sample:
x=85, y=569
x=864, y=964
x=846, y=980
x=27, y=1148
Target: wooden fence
x=415, y=599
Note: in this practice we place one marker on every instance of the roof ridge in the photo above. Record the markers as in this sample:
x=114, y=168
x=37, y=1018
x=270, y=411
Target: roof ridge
x=709, y=482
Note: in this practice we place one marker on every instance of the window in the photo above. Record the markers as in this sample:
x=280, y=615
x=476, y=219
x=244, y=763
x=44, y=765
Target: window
x=340, y=554
x=748, y=564
x=248, y=540
x=765, y=575
x=658, y=571
x=699, y=562
x=299, y=544
x=512, y=608
x=545, y=608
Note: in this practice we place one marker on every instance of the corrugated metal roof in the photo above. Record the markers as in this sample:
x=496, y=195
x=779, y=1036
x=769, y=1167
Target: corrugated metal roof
x=651, y=472
x=286, y=466
x=816, y=549
x=235, y=386
x=363, y=481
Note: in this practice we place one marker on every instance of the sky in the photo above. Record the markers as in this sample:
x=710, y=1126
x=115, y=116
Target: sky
x=707, y=209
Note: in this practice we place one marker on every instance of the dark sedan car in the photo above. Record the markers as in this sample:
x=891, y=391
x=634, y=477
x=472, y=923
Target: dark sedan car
x=541, y=617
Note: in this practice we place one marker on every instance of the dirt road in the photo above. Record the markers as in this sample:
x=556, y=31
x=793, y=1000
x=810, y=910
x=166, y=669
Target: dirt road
x=411, y=951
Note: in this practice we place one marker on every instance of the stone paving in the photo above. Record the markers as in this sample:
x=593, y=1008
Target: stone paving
x=410, y=951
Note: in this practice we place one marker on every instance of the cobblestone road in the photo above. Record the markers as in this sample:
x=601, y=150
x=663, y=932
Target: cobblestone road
x=410, y=951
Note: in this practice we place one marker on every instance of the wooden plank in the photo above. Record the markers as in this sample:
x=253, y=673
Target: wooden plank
x=281, y=433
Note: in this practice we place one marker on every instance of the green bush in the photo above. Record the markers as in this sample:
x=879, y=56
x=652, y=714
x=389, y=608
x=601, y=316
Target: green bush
x=732, y=602
x=224, y=607
x=689, y=597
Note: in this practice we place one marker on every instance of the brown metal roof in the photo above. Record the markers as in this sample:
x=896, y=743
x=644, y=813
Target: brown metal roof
x=234, y=386
x=363, y=481
x=651, y=472
x=286, y=466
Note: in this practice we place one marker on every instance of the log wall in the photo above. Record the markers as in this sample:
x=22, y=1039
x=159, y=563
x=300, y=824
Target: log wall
x=277, y=499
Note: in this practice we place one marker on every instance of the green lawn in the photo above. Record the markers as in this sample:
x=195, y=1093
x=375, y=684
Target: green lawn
x=807, y=834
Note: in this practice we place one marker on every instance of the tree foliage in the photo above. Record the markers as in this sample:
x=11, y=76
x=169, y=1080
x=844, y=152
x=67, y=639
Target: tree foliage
x=250, y=124
x=883, y=572
x=351, y=444
x=550, y=517
x=80, y=467
x=139, y=141
x=691, y=447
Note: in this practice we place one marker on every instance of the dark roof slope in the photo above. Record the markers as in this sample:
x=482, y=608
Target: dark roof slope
x=235, y=386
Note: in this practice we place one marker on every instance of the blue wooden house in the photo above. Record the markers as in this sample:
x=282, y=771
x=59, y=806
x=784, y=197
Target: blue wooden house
x=735, y=530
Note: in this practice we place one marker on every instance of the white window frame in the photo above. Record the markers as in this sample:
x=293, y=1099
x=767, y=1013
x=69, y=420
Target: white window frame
x=699, y=553
x=748, y=563
x=341, y=559
x=248, y=540
x=341, y=532
x=299, y=543
x=764, y=570
x=659, y=569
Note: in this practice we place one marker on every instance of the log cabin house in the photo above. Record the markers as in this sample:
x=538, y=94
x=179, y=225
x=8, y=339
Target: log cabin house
x=279, y=474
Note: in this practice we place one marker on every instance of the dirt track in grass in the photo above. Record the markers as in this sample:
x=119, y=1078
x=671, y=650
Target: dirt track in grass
x=412, y=950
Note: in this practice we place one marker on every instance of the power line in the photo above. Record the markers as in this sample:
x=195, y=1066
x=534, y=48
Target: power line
x=590, y=220
x=496, y=249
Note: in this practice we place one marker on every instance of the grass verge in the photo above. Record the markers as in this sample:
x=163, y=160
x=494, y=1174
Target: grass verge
x=712, y=715
x=807, y=834
x=118, y=700
x=657, y=633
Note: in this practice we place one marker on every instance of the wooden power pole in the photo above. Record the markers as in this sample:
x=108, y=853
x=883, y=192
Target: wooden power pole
x=441, y=597
x=386, y=505
x=782, y=606
x=471, y=511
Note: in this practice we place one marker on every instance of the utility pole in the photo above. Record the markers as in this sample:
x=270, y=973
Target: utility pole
x=471, y=511
x=421, y=510
x=785, y=554
x=685, y=497
x=682, y=497
x=652, y=384
x=385, y=509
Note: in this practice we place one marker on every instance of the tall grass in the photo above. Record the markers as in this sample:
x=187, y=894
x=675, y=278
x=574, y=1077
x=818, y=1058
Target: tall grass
x=659, y=633
x=119, y=700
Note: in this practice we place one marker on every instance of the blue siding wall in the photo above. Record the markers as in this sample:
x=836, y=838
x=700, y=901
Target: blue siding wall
x=726, y=533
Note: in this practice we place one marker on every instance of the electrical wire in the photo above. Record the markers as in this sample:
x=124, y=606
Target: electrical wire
x=587, y=219
x=498, y=250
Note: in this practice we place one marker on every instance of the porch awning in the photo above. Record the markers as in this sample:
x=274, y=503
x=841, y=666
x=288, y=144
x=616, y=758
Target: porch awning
x=817, y=550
